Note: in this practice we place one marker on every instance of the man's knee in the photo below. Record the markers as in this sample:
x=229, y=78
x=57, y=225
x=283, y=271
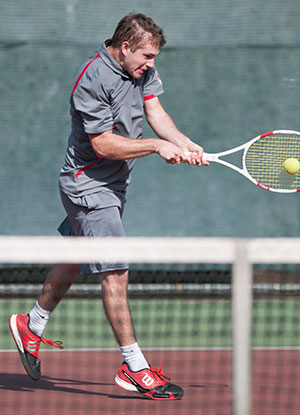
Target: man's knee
x=114, y=280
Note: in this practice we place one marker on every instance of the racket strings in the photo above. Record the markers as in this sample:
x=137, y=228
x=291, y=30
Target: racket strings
x=265, y=157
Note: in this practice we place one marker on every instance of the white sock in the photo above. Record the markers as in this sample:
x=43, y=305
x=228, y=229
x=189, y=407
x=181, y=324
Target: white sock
x=133, y=356
x=38, y=318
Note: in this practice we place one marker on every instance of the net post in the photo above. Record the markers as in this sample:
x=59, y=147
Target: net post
x=241, y=319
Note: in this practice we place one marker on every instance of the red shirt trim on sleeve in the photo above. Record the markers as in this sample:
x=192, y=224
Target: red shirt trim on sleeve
x=149, y=97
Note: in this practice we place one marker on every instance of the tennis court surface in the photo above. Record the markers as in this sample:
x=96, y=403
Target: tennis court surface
x=82, y=382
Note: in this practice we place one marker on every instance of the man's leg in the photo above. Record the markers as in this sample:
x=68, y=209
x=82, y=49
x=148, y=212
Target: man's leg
x=57, y=283
x=115, y=303
x=135, y=373
x=27, y=329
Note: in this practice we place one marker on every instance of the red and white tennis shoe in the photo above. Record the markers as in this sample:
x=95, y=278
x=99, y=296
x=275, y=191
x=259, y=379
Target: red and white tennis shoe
x=28, y=344
x=150, y=382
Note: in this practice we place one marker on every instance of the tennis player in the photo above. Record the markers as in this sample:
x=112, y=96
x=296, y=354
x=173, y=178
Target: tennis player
x=113, y=90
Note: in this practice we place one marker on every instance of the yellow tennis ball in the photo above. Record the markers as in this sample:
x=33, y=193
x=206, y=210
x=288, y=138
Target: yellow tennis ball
x=291, y=166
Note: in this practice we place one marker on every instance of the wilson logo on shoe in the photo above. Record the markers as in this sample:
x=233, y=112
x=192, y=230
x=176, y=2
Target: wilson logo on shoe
x=31, y=346
x=147, y=380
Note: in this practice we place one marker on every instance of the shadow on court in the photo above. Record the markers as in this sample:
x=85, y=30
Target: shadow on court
x=22, y=383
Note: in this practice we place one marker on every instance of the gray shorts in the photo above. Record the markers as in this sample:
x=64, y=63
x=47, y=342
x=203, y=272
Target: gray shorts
x=98, y=214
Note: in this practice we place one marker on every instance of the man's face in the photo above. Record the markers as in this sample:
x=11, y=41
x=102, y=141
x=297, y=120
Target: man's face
x=136, y=63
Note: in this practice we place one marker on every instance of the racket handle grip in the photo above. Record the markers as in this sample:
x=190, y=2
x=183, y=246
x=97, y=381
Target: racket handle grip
x=188, y=153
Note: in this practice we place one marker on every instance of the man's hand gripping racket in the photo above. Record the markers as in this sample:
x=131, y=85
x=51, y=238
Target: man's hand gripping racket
x=263, y=160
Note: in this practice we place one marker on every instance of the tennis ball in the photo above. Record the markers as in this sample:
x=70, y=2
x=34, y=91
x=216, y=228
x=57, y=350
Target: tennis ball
x=291, y=166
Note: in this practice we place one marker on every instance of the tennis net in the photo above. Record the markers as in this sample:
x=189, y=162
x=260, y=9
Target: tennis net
x=223, y=314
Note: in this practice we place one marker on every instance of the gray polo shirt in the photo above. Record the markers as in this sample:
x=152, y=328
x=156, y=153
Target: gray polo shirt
x=104, y=97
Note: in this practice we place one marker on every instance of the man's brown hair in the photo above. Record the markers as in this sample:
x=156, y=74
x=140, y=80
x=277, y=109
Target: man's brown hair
x=134, y=28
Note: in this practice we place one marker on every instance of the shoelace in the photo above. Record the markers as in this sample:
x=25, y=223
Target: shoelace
x=159, y=373
x=57, y=343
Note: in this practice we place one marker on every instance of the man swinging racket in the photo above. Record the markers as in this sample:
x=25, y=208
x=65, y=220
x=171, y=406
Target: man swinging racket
x=112, y=92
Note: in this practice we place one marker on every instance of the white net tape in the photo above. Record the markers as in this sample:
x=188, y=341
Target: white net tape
x=52, y=249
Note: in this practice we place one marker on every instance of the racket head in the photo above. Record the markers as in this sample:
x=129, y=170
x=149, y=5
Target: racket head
x=263, y=160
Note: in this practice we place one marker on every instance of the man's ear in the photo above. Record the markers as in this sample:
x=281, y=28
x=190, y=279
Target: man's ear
x=125, y=48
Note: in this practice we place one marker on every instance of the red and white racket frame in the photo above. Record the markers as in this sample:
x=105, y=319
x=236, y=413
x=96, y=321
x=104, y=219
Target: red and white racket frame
x=215, y=157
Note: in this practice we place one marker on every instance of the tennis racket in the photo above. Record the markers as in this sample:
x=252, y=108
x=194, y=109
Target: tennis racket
x=262, y=160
